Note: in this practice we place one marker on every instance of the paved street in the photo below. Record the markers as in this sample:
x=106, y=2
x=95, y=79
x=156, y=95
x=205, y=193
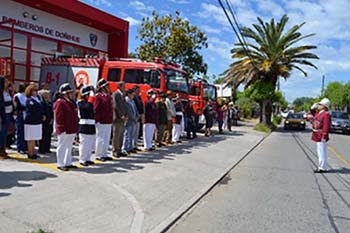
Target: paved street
x=141, y=193
x=275, y=190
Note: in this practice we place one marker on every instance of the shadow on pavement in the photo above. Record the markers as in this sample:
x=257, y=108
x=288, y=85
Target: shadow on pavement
x=10, y=179
x=138, y=161
x=340, y=171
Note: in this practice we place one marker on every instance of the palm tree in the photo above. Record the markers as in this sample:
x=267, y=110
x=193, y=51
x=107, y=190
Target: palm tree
x=269, y=53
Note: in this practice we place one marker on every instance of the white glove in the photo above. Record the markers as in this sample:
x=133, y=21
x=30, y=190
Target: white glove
x=314, y=106
x=154, y=96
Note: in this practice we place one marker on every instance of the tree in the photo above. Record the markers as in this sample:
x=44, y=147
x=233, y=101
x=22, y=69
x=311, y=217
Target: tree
x=132, y=55
x=303, y=103
x=173, y=39
x=270, y=53
x=335, y=92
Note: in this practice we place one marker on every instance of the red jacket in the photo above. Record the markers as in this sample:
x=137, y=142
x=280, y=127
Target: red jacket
x=103, y=106
x=66, y=117
x=321, y=126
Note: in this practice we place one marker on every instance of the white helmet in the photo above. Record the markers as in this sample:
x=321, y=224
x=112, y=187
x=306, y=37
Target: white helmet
x=325, y=102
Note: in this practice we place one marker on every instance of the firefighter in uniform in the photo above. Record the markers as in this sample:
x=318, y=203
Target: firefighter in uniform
x=320, y=127
x=151, y=117
x=103, y=106
x=86, y=127
x=66, y=118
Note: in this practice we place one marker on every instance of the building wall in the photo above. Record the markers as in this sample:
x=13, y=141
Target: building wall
x=48, y=34
x=52, y=26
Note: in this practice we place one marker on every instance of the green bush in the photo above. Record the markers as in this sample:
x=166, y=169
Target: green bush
x=276, y=120
x=263, y=128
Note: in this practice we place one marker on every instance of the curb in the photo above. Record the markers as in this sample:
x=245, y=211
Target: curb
x=177, y=215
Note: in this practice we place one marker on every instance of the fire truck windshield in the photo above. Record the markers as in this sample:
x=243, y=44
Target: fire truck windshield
x=176, y=81
x=210, y=92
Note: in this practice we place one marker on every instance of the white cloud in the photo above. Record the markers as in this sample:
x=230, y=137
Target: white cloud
x=140, y=6
x=209, y=29
x=132, y=21
x=180, y=1
x=100, y=2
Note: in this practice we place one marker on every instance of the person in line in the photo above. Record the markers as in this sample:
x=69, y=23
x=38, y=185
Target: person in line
x=162, y=120
x=130, y=123
x=6, y=109
x=195, y=122
x=151, y=117
x=189, y=119
x=176, y=133
x=230, y=115
x=120, y=109
x=103, y=107
x=20, y=107
x=47, y=129
x=224, y=109
x=320, y=132
x=171, y=113
x=33, y=120
x=220, y=116
x=11, y=133
x=66, y=118
x=140, y=109
x=86, y=126
x=209, y=114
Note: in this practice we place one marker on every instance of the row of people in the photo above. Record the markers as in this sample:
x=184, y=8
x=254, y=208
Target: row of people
x=95, y=119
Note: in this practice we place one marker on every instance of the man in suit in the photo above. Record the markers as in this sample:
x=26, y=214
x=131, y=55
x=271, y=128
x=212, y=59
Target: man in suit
x=120, y=109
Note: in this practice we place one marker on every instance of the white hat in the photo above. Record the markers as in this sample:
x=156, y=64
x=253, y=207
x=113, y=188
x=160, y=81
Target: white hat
x=325, y=102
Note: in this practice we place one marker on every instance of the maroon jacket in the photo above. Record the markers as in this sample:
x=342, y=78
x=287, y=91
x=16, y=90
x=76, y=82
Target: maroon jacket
x=66, y=117
x=321, y=126
x=103, y=108
x=151, y=112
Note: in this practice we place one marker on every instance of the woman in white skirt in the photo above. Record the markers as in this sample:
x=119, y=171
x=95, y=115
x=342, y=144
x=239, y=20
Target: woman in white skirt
x=33, y=119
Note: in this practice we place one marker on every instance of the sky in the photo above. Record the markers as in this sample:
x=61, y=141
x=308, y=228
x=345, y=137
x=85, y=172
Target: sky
x=330, y=20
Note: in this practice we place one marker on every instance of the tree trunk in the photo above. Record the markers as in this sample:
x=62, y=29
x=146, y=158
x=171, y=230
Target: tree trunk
x=266, y=112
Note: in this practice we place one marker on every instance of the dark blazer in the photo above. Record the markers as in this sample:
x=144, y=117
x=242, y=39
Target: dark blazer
x=86, y=112
x=103, y=108
x=33, y=112
x=66, y=116
x=47, y=111
x=120, y=106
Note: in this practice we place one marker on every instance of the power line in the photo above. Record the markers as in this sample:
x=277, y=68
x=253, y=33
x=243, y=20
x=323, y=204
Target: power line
x=238, y=32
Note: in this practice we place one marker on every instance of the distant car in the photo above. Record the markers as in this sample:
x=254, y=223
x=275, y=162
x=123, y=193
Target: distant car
x=294, y=121
x=340, y=122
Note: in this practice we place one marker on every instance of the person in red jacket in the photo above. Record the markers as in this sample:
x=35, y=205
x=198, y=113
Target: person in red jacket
x=320, y=132
x=151, y=119
x=103, y=106
x=66, y=118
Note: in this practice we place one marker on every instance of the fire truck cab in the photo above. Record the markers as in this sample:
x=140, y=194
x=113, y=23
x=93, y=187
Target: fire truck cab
x=158, y=75
x=200, y=92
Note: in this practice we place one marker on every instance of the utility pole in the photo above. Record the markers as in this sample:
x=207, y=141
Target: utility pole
x=322, y=88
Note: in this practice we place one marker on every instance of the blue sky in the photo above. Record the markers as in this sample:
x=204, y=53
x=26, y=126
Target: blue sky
x=330, y=21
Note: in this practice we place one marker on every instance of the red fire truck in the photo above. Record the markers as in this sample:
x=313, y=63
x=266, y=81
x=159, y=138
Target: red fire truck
x=158, y=75
x=200, y=92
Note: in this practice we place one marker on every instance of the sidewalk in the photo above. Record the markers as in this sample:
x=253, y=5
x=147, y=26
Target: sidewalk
x=142, y=193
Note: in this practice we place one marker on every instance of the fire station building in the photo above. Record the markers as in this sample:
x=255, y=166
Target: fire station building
x=33, y=29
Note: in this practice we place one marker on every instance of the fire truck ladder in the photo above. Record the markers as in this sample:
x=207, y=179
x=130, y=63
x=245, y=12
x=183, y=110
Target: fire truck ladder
x=6, y=61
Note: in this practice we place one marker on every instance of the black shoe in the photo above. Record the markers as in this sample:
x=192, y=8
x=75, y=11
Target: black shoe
x=108, y=158
x=64, y=169
x=32, y=156
x=137, y=149
x=179, y=142
x=133, y=151
x=150, y=149
x=320, y=171
x=122, y=154
x=101, y=159
x=90, y=162
x=71, y=166
x=85, y=164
